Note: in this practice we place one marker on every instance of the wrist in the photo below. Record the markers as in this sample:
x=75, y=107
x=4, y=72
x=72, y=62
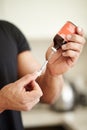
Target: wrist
x=53, y=79
x=52, y=75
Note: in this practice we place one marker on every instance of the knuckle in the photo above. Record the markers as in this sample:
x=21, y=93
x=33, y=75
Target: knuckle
x=41, y=93
x=38, y=99
x=74, y=37
x=70, y=45
x=27, y=107
x=71, y=54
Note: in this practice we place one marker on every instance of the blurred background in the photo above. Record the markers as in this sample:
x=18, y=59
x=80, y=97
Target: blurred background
x=40, y=20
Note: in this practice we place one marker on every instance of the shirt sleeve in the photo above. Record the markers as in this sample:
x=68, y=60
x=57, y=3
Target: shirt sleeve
x=21, y=41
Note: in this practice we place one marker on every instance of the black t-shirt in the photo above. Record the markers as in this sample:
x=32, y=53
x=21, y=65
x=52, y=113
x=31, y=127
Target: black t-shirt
x=12, y=42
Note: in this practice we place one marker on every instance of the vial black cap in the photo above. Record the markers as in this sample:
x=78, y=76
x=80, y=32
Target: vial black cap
x=58, y=41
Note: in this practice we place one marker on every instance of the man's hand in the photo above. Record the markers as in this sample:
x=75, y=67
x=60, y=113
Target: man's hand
x=20, y=95
x=67, y=55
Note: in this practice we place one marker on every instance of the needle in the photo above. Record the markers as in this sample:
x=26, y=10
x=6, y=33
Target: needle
x=39, y=72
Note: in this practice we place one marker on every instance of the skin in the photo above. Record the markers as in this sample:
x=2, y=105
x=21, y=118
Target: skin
x=15, y=97
x=26, y=92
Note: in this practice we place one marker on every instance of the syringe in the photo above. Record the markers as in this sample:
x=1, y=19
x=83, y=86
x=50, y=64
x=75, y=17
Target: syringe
x=39, y=72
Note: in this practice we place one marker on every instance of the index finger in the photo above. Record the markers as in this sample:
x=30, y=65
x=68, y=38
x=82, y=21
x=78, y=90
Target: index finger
x=27, y=79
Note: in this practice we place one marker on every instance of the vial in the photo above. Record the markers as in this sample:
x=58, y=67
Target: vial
x=60, y=37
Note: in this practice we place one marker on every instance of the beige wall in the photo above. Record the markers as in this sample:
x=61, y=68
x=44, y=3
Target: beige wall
x=43, y=18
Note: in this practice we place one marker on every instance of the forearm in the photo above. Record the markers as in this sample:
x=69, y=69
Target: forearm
x=51, y=87
x=1, y=102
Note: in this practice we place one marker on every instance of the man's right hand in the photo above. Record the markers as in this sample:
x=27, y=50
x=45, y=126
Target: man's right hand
x=23, y=94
